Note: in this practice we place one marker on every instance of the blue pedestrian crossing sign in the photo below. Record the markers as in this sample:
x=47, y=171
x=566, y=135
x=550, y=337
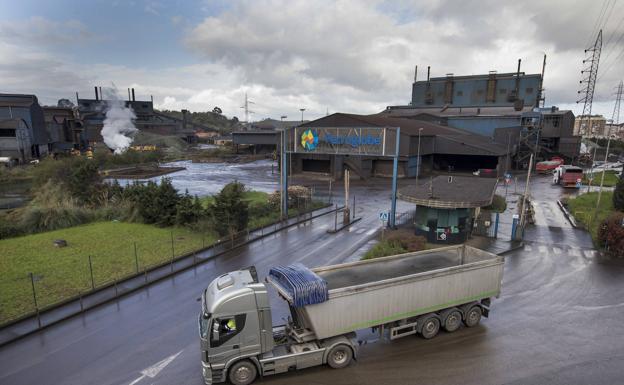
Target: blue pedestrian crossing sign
x=383, y=216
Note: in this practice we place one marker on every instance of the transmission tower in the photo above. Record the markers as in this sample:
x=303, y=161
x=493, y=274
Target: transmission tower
x=247, y=110
x=615, y=118
x=589, y=73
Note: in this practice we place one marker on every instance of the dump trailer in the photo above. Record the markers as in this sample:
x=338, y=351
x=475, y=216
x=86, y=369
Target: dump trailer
x=568, y=176
x=408, y=294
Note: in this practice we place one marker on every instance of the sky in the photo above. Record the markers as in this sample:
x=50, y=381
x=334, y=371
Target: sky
x=324, y=56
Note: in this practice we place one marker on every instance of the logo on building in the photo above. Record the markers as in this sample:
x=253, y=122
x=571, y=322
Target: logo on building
x=309, y=140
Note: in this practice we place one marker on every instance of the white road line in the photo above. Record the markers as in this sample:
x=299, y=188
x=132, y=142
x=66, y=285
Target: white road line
x=360, y=231
x=371, y=231
x=542, y=248
x=589, y=253
x=153, y=370
x=528, y=247
x=556, y=250
x=573, y=251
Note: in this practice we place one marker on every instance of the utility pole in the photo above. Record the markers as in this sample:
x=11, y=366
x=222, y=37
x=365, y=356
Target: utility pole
x=589, y=79
x=615, y=119
x=526, y=193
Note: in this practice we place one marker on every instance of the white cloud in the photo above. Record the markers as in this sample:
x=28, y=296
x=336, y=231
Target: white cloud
x=348, y=56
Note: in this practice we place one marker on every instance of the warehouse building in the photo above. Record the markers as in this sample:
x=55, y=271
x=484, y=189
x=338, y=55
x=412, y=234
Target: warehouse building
x=430, y=146
x=23, y=134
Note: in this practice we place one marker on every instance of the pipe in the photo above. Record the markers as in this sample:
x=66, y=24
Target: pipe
x=415, y=73
x=96, y=94
x=129, y=94
x=133, y=99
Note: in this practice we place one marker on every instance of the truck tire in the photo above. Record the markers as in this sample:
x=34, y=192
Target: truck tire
x=339, y=356
x=452, y=321
x=243, y=373
x=430, y=328
x=473, y=316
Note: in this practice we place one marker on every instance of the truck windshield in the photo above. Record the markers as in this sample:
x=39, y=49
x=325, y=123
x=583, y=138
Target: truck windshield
x=204, y=325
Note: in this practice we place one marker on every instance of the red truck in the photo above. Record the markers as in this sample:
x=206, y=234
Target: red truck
x=546, y=166
x=568, y=176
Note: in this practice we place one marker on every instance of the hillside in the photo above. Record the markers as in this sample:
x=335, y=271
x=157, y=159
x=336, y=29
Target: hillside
x=211, y=120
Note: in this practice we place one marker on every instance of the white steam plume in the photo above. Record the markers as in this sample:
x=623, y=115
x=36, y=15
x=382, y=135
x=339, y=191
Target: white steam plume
x=118, y=131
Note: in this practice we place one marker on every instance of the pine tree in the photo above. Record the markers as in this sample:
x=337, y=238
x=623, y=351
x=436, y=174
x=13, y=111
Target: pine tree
x=229, y=212
x=618, y=195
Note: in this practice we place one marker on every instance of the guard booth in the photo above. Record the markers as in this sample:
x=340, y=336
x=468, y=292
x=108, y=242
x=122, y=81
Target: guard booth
x=347, y=141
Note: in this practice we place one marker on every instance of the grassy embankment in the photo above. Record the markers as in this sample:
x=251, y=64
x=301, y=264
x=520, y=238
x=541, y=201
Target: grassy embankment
x=64, y=272
x=583, y=208
x=610, y=179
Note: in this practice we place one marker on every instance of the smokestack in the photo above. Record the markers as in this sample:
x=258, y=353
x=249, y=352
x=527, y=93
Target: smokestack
x=519, y=61
x=428, y=72
x=133, y=95
x=129, y=95
x=101, y=94
x=96, y=94
x=76, y=98
x=415, y=73
x=152, y=97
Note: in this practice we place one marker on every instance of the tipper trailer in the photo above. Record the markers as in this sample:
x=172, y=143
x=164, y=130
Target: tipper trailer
x=406, y=294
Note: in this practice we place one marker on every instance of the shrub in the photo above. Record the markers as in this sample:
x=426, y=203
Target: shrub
x=499, y=204
x=229, y=212
x=407, y=239
x=297, y=197
x=384, y=249
x=611, y=234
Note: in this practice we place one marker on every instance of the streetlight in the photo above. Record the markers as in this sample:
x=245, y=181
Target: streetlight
x=302, y=109
x=418, y=156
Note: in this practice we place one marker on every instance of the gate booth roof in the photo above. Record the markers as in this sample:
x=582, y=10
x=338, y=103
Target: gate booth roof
x=460, y=192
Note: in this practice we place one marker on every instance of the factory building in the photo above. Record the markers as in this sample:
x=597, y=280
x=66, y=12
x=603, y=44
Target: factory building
x=425, y=145
x=262, y=136
x=501, y=106
x=23, y=135
x=64, y=130
x=93, y=112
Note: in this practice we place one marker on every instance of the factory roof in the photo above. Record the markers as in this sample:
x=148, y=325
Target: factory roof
x=451, y=192
x=17, y=100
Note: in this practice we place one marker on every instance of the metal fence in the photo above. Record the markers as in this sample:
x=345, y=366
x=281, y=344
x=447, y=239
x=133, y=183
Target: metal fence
x=79, y=279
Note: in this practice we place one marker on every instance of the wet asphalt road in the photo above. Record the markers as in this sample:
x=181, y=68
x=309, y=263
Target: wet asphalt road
x=558, y=321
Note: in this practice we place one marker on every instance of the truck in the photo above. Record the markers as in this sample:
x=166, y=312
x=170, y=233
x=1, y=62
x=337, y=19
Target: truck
x=547, y=166
x=416, y=293
x=568, y=176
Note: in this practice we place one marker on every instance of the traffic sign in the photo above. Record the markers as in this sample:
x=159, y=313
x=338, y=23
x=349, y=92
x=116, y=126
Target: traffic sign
x=383, y=216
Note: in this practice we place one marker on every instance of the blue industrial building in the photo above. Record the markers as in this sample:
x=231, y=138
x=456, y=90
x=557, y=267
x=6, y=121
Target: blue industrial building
x=504, y=107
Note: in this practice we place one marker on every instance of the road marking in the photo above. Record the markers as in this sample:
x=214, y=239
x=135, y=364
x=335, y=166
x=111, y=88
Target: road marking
x=528, y=247
x=589, y=253
x=371, y=231
x=360, y=231
x=556, y=250
x=542, y=248
x=153, y=370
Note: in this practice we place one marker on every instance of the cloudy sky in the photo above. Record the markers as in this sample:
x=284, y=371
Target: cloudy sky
x=349, y=56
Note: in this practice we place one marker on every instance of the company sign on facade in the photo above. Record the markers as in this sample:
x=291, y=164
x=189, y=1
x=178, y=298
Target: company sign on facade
x=377, y=141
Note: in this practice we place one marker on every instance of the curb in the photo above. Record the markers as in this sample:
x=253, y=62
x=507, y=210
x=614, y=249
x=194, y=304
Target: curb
x=519, y=246
x=567, y=214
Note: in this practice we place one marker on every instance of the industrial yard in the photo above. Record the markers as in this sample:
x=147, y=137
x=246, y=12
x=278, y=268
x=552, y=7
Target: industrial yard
x=311, y=192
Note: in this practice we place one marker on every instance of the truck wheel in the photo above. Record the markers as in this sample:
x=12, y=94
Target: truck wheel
x=430, y=328
x=452, y=322
x=339, y=356
x=473, y=316
x=243, y=373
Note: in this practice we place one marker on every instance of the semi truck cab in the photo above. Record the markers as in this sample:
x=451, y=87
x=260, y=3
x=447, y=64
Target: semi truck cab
x=239, y=343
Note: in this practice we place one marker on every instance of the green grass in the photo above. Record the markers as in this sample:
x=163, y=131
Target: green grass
x=584, y=206
x=64, y=272
x=257, y=197
x=610, y=179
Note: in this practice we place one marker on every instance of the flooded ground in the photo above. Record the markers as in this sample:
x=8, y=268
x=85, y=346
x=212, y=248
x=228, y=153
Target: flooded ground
x=203, y=179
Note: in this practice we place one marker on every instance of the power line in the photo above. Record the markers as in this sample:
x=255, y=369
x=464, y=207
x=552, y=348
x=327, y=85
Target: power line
x=598, y=21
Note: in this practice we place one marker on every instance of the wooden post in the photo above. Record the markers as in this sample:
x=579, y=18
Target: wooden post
x=91, y=270
x=34, y=293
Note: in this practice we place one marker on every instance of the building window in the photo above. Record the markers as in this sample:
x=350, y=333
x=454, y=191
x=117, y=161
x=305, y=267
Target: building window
x=479, y=92
x=460, y=93
x=7, y=133
x=502, y=91
x=529, y=90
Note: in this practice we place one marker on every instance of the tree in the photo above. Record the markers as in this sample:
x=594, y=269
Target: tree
x=229, y=212
x=84, y=180
x=189, y=210
x=618, y=195
x=217, y=111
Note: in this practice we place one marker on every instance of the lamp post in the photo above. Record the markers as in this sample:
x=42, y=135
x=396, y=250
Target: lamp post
x=283, y=153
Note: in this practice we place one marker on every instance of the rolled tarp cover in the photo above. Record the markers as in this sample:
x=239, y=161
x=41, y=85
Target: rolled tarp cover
x=302, y=285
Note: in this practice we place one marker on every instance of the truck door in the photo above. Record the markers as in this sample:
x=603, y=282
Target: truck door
x=225, y=338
